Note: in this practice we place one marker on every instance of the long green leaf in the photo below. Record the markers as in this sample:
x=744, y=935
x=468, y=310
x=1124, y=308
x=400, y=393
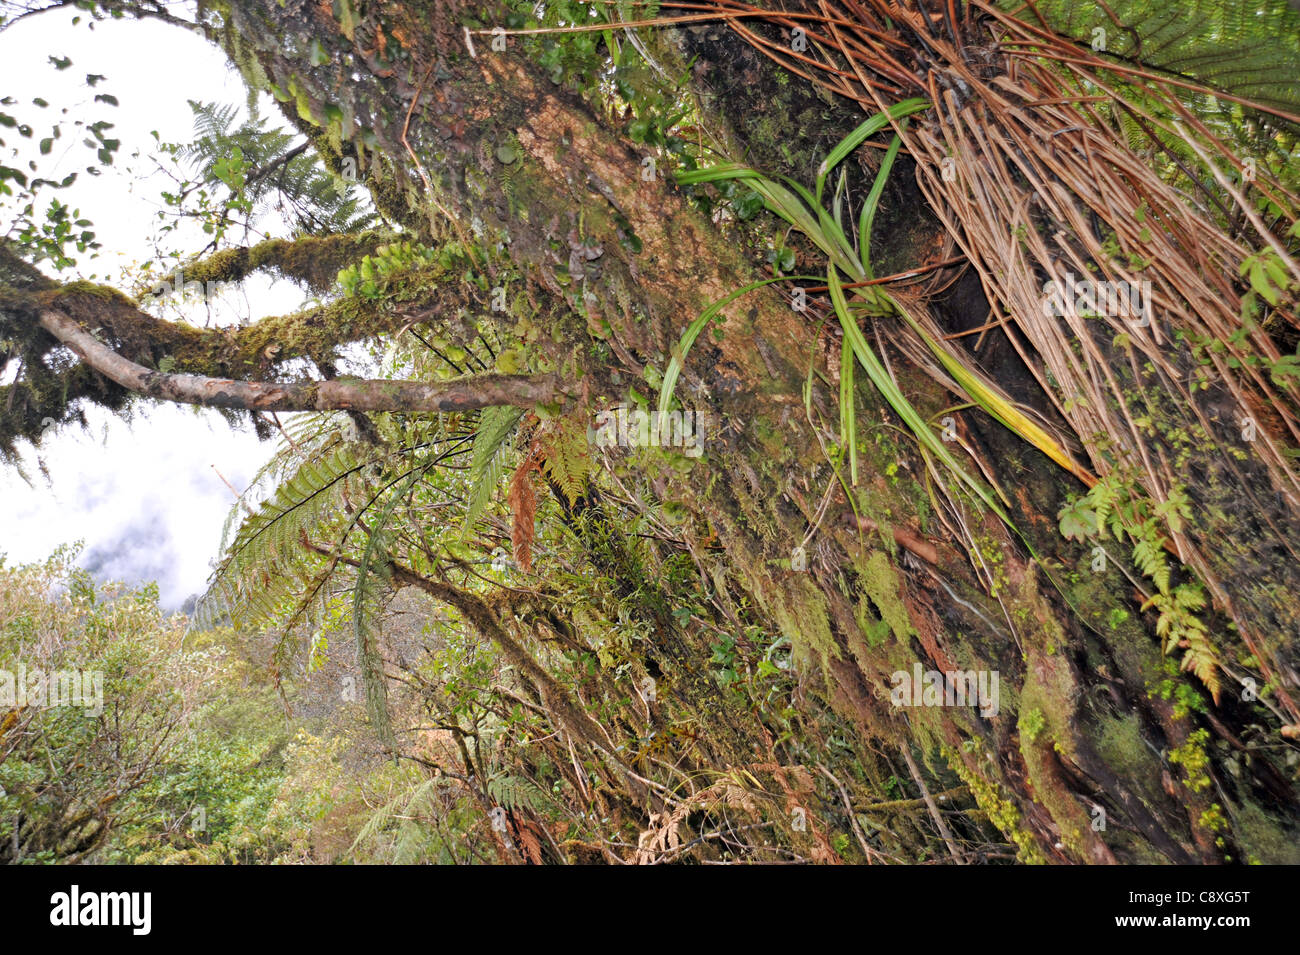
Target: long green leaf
x=848, y=410
x=898, y=401
x=868, y=215
x=860, y=135
x=676, y=362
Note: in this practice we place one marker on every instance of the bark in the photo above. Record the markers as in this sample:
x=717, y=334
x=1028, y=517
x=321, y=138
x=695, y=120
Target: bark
x=464, y=394
x=1082, y=721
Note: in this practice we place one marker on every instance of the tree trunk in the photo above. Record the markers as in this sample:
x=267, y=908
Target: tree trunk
x=1091, y=751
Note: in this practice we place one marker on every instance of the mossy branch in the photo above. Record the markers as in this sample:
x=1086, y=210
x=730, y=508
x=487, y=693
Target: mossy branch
x=312, y=260
x=462, y=394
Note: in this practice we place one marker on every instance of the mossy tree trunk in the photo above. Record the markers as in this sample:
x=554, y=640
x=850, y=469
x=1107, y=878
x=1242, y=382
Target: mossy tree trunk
x=1086, y=726
x=1099, y=750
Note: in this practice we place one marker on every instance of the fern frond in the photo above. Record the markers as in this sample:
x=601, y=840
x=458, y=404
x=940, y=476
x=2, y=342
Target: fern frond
x=405, y=803
x=372, y=576
x=264, y=562
x=518, y=793
x=1244, y=47
x=567, y=456
x=496, y=426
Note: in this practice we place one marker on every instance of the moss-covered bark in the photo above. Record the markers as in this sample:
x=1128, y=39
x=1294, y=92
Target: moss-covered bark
x=1096, y=753
x=535, y=174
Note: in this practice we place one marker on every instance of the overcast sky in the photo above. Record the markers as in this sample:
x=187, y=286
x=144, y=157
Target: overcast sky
x=144, y=497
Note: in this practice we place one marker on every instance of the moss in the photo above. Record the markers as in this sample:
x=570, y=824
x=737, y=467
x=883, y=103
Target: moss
x=1119, y=743
x=1032, y=724
x=1000, y=811
x=81, y=289
x=1263, y=838
x=878, y=578
x=313, y=260
x=1194, y=759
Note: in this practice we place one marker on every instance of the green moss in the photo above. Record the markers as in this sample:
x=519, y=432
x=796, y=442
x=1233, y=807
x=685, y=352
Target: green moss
x=1118, y=741
x=1032, y=723
x=878, y=578
x=803, y=618
x=1263, y=838
x=80, y=289
x=1000, y=811
x=1194, y=759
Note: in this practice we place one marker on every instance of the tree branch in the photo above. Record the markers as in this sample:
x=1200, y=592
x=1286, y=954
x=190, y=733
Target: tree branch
x=461, y=394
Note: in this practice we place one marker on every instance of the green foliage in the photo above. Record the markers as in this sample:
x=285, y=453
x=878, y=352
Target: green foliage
x=408, y=809
x=492, y=445
x=804, y=211
x=1244, y=47
x=567, y=456
x=1267, y=274
x=247, y=170
x=1115, y=507
x=371, y=574
x=371, y=277
x=52, y=233
x=264, y=567
x=1032, y=723
x=179, y=762
x=517, y=792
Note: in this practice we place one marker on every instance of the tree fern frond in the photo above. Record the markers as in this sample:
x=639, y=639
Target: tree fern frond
x=367, y=597
x=406, y=802
x=517, y=792
x=488, y=457
x=1258, y=39
x=261, y=562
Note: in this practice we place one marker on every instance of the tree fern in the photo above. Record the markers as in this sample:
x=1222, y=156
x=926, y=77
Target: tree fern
x=281, y=176
x=492, y=445
x=264, y=564
x=1247, y=48
x=517, y=792
x=367, y=596
x=408, y=803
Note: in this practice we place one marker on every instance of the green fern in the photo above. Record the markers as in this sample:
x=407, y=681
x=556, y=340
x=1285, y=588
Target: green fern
x=517, y=792
x=1244, y=47
x=367, y=600
x=496, y=426
x=568, y=457
x=265, y=564
x=315, y=200
x=404, y=808
x=1177, y=623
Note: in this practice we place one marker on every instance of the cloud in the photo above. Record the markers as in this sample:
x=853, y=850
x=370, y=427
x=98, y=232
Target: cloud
x=144, y=497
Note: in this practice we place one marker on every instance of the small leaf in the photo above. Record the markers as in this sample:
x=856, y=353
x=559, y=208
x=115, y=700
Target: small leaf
x=1078, y=522
x=1259, y=282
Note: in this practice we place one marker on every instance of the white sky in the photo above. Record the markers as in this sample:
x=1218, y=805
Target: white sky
x=144, y=497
